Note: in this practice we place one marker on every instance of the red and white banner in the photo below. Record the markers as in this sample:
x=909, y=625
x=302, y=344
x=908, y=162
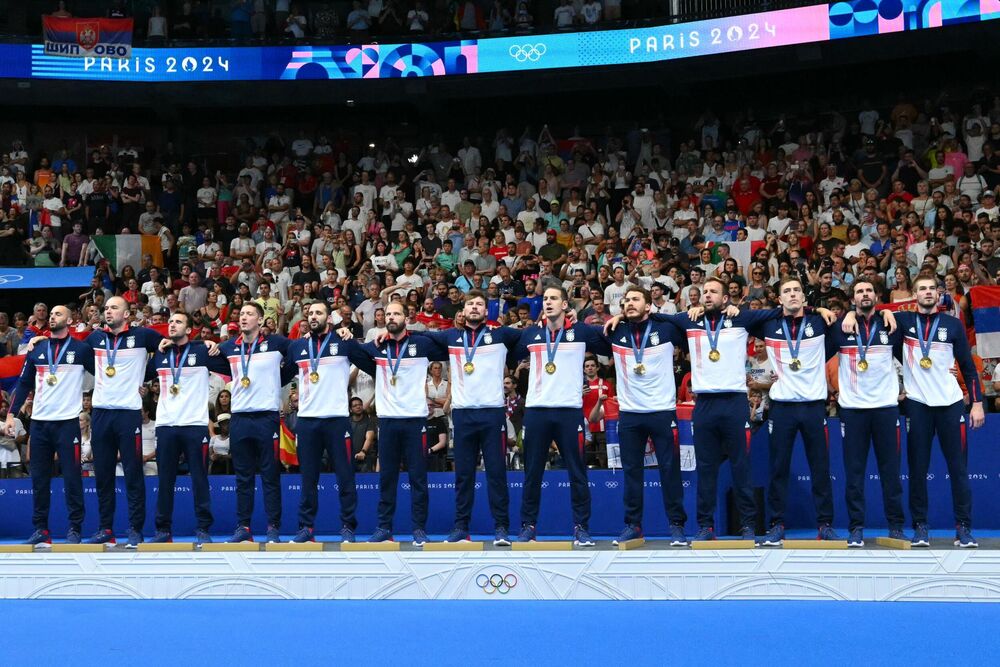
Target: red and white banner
x=87, y=38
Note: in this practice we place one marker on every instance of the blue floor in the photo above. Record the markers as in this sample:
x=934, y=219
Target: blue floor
x=537, y=633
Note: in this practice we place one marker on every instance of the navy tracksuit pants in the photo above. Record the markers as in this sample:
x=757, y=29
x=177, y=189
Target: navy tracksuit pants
x=861, y=428
x=47, y=440
x=114, y=434
x=481, y=430
x=565, y=427
x=331, y=435
x=788, y=419
x=721, y=424
x=254, y=440
x=949, y=422
x=171, y=442
x=634, y=429
x=402, y=438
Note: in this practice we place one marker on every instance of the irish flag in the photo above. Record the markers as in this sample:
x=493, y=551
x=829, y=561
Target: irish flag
x=127, y=249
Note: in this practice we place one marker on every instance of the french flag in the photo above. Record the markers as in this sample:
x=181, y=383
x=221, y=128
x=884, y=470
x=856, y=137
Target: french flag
x=986, y=314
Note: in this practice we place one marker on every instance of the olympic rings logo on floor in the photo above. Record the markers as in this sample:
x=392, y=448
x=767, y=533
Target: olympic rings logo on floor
x=497, y=583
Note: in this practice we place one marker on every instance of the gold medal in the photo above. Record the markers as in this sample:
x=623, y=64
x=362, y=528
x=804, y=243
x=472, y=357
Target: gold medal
x=392, y=380
x=550, y=368
x=175, y=389
x=245, y=381
x=795, y=364
x=51, y=380
x=314, y=377
x=863, y=365
x=714, y=355
x=640, y=369
x=926, y=363
x=110, y=371
x=469, y=367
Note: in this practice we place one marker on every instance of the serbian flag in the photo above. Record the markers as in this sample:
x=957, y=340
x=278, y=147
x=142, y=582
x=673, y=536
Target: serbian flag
x=87, y=38
x=986, y=314
x=10, y=371
x=288, y=449
x=127, y=249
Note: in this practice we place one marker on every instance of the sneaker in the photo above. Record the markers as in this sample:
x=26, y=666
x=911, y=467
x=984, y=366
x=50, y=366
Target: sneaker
x=242, y=534
x=677, y=536
x=964, y=538
x=419, y=537
x=73, y=536
x=856, y=540
x=774, y=537
x=747, y=533
x=161, y=537
x=826, y=533
x=381, y=535
x=40, y=539
x=920, y=536
x=201, y=537
x=134, y=539
x=305, y=534
x=704, y=534
x=581, y=537
x=527, y=533
x=273, y=536
x=897, y=534
x=105, y=537
x=346, y=534
x=458, y=534
x=631, y=532
x=500, y=537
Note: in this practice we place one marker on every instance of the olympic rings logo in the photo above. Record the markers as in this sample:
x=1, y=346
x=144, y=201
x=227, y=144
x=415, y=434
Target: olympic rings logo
x=611, y=484
x=525, y=52
x=405, y=486
x=10, y=278
x=497, y=583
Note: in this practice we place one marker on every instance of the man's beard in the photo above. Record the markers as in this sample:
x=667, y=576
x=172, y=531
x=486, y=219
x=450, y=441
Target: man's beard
x=394, y=327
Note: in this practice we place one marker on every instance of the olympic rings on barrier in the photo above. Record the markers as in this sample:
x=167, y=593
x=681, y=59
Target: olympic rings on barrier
x=527, y=52
x=496, y=583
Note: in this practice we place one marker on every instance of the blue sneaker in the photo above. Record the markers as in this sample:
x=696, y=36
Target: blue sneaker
x=305, y=534
x=677, y=536
x=704, y=534
x=346, y=534
x=897, y=534
x=581, y=537
x=161, y=537
x=774, y=537
x=73, y=536
x=381, y=535
x=273, y=536
x=630, y=532
x=458, y=534
x=500, y=537
x=826, y=533
x=527, y=533
x=40, y=539
x=201, y=537
x=856, y=540
x=242, y=534
x=134, y=539
x=920, y=536
x=964, y=538
x=747, y=533
x=105, y=537
x=419, y=537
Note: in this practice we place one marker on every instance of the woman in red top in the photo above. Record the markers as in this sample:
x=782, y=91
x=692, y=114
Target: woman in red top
x=499, y=249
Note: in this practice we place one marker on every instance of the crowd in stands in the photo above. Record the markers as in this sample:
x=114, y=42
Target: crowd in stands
x=887, y=193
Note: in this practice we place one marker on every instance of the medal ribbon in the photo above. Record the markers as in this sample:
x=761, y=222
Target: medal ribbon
x=245, y=357
x=641, y=350
x=112, y=351
x=551, y=347
x=56, y=358
x=394, y=368
x=793, y=348
x=470, y=353
x=314, y=357
x=869, y=335
x=712, y=332
x=925, y=338
x=175, y=368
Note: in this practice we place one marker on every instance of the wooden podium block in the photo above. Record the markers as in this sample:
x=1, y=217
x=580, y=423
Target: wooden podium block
x=822, y=545
x=231, y=546
x=547, y=545
x=294, y=546
x=369, y=546
x=154, y=547
x=78, y=548
x=18, y=549
x=718, y=545
x=453, y=546
x=628, y=545
x=893, y=543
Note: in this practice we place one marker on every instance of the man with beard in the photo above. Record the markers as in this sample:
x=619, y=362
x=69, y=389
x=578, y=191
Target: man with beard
x=54, y=371
x=182, y=371
x=399, y=365
x=321, y=364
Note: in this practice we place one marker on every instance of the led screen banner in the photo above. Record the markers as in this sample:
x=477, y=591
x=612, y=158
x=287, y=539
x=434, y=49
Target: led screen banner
x=814, y=24
x=82, y=38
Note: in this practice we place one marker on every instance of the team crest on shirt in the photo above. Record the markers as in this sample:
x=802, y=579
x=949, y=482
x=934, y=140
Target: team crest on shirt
x=809, y=330
x=727, y=323
x=488, y=338
x=130, y=342
x=654, y=338
x=883, y=337
x=70, y=357
x=263, y=347
x=412, y=350
x=570, y=335
x=333, y=348
x=942, y=335
x=192, y=360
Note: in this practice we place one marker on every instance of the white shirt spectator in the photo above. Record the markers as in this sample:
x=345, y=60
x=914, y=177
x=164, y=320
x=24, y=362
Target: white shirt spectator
x=591, y=12
x=564, y=16
x=302, y=147
x=828, y=185
x=868, y=119
x=417, y=20
x=279, y=217
x=368, y=194
x=207, y=197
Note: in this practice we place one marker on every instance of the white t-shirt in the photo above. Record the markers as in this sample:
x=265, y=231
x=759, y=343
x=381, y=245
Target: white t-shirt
x=564, y=16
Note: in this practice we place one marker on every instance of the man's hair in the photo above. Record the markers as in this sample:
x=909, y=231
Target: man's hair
x=475, y=294
x=256, y=306
x=325, y=305
x=641, y=290
x=863, y=281
x=789, y=279
x=923, y=277
x=562, y=291
x=187, y=317
x=713, y=279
